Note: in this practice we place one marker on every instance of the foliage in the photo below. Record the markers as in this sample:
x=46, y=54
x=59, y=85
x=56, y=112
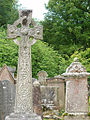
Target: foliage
x=84, y=57
x=67, y=25
x=89, y=105
x=43, y=56
x=8, y=50
x=8, y=12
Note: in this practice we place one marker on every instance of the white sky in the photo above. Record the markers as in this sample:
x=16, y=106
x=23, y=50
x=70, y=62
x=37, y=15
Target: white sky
x=37, y=6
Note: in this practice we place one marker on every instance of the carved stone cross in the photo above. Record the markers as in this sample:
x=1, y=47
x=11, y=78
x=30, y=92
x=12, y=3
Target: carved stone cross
x=29, y=32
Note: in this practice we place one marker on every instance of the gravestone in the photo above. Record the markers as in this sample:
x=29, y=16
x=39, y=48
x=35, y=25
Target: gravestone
x=23, y=28
x=52, y=91
x=77, y=103
x=42, y=76
x=57, y=83
x=7, y=98
x=7, y=73
x=37, y=98
x=7, y=91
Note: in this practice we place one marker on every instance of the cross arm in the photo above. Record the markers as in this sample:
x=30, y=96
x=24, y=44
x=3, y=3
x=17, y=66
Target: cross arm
x=13, y=32
x=36, y=32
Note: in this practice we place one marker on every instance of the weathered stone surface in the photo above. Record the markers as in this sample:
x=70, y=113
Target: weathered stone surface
x=77, y=104
x=29, y=35
x=42, y=76
x=76, y=89
x=23, y=116
x=37, y=98
x=77, y=95
x=7, y=73
x=78, y=117
x=7, y=98
x=52, y=91
x=76, y=69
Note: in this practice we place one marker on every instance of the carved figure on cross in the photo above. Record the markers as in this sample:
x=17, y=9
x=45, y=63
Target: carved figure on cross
x=21, y=27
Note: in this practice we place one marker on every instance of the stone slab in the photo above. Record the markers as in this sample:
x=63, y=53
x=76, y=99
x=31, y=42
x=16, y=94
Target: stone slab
x=24, y=116
x=78, y=117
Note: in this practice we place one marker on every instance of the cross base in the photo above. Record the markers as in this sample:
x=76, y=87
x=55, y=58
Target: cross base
x=23, y=116
x=77, y=117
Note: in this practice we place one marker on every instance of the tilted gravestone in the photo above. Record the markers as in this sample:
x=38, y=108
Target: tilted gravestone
x=77, y=103
x=23, y=28
x=7, y=98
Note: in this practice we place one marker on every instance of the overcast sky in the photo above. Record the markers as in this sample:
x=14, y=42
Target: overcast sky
x=37, y=6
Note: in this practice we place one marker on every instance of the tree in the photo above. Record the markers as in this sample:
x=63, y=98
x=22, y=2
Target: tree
x=43, y=56
x=67, y=24
x=84, y=58
x=8, y=12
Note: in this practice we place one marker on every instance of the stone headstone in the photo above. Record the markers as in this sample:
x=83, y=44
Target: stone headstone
x=77, y=104
x=42, y=76
x=23, y=102
x=58, y=83
x=52, y=93
x=6, y=74
x=37, y=98
x=7, y=98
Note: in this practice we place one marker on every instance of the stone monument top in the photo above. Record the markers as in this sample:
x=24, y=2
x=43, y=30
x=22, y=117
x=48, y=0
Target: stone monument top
x=5, y=74
x=25, y=26
x=42, y=73
x=76, y=69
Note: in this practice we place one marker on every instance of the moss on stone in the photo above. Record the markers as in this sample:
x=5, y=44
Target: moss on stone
x=89, y=114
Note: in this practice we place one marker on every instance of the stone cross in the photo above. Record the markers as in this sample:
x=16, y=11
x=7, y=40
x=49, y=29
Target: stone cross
x=29, y=32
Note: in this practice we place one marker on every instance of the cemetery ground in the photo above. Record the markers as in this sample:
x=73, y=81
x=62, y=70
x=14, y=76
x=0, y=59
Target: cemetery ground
x=24, y=97
x=61, y=113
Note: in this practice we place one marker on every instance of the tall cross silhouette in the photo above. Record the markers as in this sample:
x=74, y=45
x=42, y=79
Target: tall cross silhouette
x=29, y=32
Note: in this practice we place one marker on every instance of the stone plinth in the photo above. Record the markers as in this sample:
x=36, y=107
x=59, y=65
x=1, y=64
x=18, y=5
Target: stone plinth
x=77, y=103
x=23, y=116
x=78, y=117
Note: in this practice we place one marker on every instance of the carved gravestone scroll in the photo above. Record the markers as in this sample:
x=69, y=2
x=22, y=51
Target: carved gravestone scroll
x=29, y=32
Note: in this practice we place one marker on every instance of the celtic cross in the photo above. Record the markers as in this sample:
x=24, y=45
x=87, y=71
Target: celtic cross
x=29, y=32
